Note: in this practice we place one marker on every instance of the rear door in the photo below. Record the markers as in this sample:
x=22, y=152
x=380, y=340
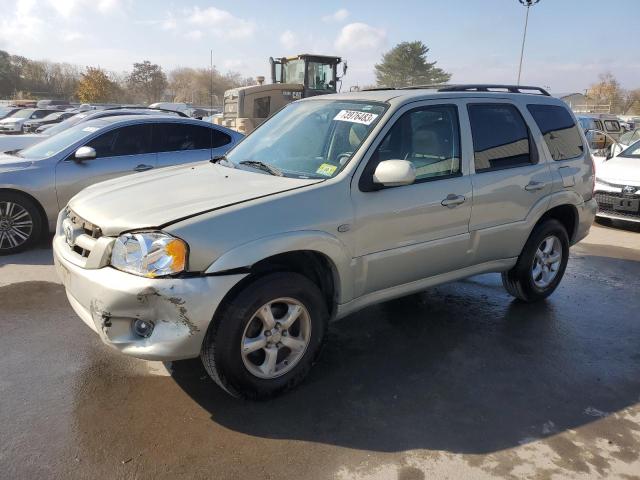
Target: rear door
x=180, y=143
x=119, y=152
x=510, y=178
x=570, y=158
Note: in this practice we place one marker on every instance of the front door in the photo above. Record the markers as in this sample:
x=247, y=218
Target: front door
x=121, y=151
x=404, y=234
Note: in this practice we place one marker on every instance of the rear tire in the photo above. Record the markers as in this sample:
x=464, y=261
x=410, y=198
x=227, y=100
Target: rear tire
x=541, y=264
x=20, y=223
x=266, y=338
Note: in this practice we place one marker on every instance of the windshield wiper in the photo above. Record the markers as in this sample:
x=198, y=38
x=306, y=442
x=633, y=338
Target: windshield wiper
x=265, y=167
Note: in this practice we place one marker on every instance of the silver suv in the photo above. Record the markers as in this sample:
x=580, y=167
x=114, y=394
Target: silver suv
x=335, y=203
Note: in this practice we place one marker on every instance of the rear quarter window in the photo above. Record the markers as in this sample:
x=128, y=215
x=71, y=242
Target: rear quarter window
x=560, y=132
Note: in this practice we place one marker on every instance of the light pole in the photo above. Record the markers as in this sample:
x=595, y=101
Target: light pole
x=528, y=4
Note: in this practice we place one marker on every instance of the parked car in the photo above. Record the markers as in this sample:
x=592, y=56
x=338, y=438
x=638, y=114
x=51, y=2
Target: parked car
x=30, y=126
x=15, y=122
x=617, y=188
x=335, y=203
x=13, y=143
x=7, y=111
x=54, y=104
x=35, y=183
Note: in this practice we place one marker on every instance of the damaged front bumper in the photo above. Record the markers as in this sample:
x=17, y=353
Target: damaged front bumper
x=110, y=301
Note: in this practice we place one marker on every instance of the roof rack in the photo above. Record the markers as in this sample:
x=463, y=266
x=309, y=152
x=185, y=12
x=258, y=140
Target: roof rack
x=489, y=87
x=494, y=87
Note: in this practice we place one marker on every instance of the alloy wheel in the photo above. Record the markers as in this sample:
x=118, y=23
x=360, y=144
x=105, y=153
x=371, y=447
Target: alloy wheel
x=276, y=338
x=546, y=262
x=16, y=225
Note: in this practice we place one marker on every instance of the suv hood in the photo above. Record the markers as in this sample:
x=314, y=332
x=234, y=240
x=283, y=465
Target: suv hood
x=620, y=170
x=156, y=199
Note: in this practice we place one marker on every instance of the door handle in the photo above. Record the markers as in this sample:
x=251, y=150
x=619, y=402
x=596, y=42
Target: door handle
x=143, y=168
x=534, y=186
x=452, y=200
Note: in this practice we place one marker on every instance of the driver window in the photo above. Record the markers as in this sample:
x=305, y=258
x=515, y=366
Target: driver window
x=429, y=138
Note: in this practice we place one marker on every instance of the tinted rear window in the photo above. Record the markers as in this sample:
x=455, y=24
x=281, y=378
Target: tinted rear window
x=559, y=130
x=500, y=137
x=174, y=137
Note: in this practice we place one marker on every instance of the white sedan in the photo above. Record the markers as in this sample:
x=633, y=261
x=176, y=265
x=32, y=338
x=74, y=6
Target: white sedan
x=617, y=188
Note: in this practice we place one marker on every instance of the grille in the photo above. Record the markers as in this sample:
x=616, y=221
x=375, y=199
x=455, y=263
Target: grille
x=86, y=227
x=607, y=200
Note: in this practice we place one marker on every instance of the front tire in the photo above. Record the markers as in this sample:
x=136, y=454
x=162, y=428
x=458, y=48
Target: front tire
x=541, y=265
x=266, y=338
x=20, y=223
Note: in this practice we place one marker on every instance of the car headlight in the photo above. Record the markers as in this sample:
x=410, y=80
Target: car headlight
x=149, y=254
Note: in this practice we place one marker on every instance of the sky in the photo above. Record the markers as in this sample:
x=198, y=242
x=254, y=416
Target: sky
x=569, y=42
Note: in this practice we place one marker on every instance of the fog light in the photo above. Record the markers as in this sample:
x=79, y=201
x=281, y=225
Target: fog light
x=143, y=328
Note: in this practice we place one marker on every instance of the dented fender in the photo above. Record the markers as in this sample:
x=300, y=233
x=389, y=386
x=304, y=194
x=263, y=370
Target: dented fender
x=248, y=254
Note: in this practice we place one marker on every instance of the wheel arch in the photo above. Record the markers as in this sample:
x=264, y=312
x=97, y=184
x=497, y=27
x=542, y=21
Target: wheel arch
x=36, y=202
x=567, y=215
x=317, y=255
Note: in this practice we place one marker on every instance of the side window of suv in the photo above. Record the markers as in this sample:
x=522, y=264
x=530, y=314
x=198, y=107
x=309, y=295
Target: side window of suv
x=500, y=137
x=175, y=137
x=429, y=137
x=130, y=140
x=559, y=130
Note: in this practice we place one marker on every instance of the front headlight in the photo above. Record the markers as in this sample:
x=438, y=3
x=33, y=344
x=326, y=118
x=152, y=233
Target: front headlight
x=149, y=254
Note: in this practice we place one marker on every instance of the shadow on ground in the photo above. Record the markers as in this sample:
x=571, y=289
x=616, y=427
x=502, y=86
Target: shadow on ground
x=460, y=368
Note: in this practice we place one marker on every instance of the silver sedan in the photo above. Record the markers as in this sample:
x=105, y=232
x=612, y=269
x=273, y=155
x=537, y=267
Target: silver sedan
x=37, y=182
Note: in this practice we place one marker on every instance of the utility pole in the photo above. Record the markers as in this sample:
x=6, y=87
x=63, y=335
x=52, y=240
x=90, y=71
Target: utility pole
x=528, y=4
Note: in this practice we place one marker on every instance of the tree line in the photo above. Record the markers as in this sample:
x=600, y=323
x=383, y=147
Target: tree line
x=23, y=78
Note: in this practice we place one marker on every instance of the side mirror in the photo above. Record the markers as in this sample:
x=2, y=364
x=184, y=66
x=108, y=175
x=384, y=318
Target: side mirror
x=394, y=173
x=84, y=153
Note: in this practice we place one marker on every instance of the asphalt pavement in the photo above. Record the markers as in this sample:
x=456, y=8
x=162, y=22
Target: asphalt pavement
x=459, y=381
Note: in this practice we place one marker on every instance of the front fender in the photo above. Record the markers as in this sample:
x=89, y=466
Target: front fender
x=250, y=253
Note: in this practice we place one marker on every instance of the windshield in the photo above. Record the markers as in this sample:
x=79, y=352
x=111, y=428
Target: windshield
x=312, y=139
x=26, y=113
x=59, y=142
x=632, y=152
x=630, y=137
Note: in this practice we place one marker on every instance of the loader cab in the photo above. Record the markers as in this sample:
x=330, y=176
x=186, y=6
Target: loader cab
x=318, y=74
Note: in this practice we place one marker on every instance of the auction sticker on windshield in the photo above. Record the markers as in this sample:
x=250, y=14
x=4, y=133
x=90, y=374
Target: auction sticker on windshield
x=354, y=116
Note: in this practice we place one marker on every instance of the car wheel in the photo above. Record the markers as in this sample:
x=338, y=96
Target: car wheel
x=266, y=338
x=20, y=223
x=541, y=264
